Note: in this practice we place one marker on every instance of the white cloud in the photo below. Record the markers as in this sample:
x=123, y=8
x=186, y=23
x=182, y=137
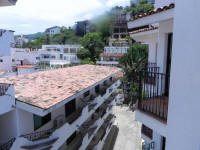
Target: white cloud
x=36, y=15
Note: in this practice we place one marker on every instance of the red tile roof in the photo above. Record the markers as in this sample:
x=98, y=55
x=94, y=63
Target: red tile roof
x=158, y=10
x=143, y=30
x=110, y=55
x=47, y=88
x=25, y=66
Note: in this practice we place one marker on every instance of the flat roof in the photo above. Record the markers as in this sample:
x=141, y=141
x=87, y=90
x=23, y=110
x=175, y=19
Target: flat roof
x=47, y=88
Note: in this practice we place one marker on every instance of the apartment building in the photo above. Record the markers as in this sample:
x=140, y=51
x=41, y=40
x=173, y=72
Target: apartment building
x=112, y=54
x=118, y=44
x=58, y=54
x=65, y=108
x=168, y=106
x=82, y=27
x=53, y=30
x=6, y=42
x=20, y=40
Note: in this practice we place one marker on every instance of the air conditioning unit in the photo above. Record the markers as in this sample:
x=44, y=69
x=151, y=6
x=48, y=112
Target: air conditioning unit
x=59, y=121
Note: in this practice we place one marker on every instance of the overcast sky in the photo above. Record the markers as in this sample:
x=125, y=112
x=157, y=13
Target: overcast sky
x=31, y=16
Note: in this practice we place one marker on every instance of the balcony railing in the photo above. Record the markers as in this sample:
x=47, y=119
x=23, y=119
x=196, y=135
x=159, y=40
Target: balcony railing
x=3, y=89
x=153, y=94
x=76, y=143
x=38, y=135
x=7, y=145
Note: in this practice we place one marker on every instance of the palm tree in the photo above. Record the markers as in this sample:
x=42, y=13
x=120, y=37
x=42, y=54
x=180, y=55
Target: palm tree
x=132, y=63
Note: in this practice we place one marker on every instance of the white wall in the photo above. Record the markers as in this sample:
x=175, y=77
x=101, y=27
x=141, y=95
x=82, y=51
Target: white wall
x=6, y=40
x=183, y=116
x=151, y=39
x=8, y=128
x=26, y=55
x=165, y=28
x=6, y=65
x=25, y=70
x=7, y=101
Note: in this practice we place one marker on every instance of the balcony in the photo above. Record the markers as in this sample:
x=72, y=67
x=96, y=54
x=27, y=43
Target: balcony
x=76, y=142
x=7, y=145
x=3, y=89
x=153, y=94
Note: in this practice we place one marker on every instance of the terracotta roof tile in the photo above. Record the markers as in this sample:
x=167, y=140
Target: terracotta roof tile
x=25, y=66
x=47, y=88
x=111, y=55
x=143, y=30
x=158, y=10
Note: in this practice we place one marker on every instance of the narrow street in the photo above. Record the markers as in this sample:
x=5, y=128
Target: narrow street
x=129, y=136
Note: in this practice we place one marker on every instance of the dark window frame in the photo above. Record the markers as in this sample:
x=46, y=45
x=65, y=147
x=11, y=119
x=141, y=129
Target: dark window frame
x=43, y=120
x=86, y=94
x=147, y=131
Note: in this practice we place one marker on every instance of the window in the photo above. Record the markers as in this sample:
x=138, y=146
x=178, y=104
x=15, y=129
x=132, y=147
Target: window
x=46, y=56
x=13, y=60
x=97, y=89
x=105, y=83
x=1, y=60
x=72, y=50
x=40, y=121
x=147, y=131
x=70, y=107
x=66, y=50
x=86, y=93
x=37, y=58
x=53, y=57
x=111, y=78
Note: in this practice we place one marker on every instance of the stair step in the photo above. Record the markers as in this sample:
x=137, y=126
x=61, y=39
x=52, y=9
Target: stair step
x=111, y=138
x=40, y=145
x=46, y=148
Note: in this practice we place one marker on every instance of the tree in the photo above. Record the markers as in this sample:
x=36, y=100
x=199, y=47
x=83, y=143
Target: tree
x=132, y=63
x=93, y=43
x=65, y=37
x=104, y=25
x=83, y=53
x=144, y=7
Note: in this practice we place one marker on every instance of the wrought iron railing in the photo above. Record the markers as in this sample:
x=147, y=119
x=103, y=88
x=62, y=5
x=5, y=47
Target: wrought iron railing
x=38, y=135
x=7, y=145
x=153, y=93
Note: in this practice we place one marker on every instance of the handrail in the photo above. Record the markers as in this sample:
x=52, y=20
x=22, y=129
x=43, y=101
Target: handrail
x=153, y=93
x=7, y=145
x=37, y=135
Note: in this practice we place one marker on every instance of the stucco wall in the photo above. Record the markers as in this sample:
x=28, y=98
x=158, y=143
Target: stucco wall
x=184, y=110
x=8, y=128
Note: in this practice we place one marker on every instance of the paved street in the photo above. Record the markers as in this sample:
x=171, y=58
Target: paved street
x=129, y=130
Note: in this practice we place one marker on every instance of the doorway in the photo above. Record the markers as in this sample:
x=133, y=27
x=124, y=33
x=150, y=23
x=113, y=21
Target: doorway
x=163, y=143
x=70, y=107
x=168, y=63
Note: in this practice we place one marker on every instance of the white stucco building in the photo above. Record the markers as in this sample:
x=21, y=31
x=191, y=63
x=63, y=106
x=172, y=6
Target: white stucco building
x=168, y=103
x=111, y=55
x=53, y=30
x=6, y=42
x=20, y=40
x=58, y=54
x=58, y=109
